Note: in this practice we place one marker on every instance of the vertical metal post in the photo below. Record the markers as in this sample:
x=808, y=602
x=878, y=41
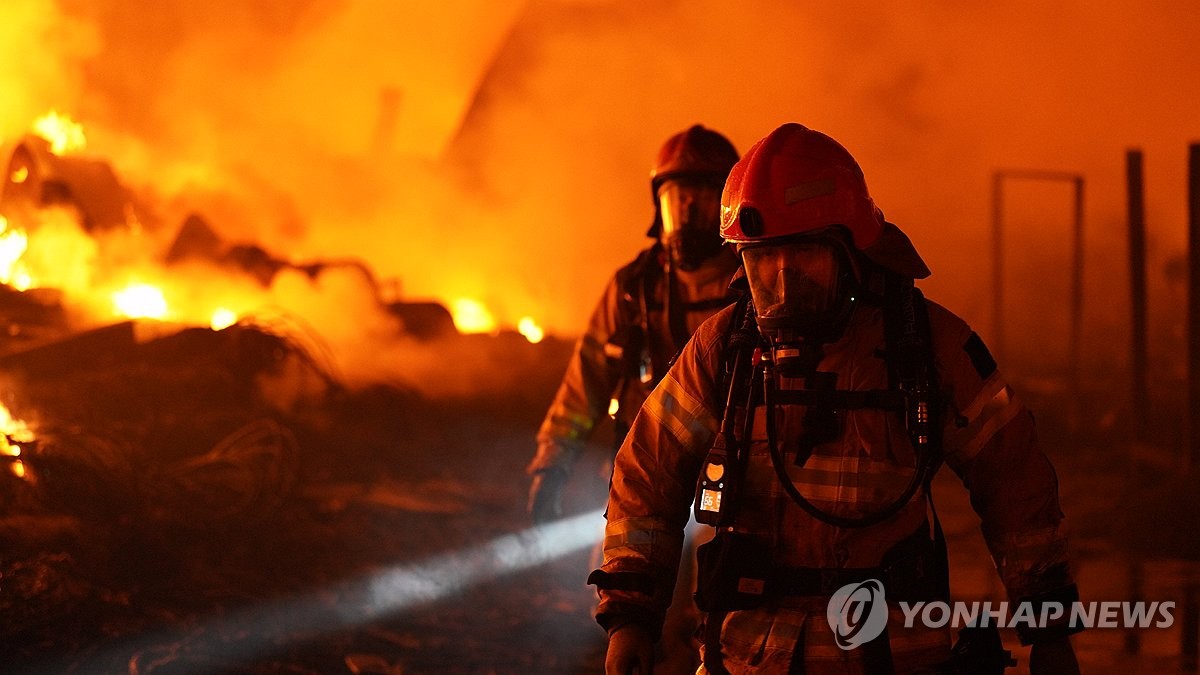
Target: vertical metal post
x=1139, y=360
x=1191, y=610
x=997, y=338
x=1076, y=339
x=1190, y=626
x=1193, y=453
x=1135, y=189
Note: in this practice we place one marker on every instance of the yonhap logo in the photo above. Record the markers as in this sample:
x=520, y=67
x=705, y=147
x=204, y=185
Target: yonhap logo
x=857, y=613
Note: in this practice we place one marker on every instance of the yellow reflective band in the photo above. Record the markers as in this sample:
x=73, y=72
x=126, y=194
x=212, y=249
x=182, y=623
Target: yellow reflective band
x=682, y=414
x=643, y=538
x=1020, y=552
x=855, y=496
x=854, y=480
x=995, y=407
x=567, y=424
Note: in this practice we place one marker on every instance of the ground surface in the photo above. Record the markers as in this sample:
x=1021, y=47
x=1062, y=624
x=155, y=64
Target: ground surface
x=372, y=531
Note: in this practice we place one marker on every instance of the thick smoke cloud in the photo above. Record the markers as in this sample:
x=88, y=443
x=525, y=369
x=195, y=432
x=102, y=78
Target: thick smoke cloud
x=500, y=150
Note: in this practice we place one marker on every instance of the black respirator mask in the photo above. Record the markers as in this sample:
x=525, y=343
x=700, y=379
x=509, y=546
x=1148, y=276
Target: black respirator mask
x=691, y=228
x=803, y=291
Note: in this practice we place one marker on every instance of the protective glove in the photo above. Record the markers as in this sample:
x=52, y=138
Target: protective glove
x=630, y=651
x=545, y=495
x=1054, y=656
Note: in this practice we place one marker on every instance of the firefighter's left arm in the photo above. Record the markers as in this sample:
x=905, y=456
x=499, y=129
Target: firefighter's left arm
x=991, y=443
x=654, y=478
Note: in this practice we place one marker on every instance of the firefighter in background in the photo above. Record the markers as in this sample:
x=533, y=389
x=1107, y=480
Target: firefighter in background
x=648, y=311
x=807, y=421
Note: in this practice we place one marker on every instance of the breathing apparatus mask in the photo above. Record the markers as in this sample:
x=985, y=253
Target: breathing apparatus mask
x=690, y=209
x=803, y=290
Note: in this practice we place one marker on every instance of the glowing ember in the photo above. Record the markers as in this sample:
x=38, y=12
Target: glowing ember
x=532, y=332
x=613, y=406
x=470, y=316
x=20, y=175
x=223, y=318
x=65, y=135
x=140, y=301
x=12, y=246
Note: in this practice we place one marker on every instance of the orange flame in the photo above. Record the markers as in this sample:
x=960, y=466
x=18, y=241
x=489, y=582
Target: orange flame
x=471, y=316
x=223, y=318
x=12, y=246
x=17, y=430
x=140, y=301
x=529, y=328
x=64, y=134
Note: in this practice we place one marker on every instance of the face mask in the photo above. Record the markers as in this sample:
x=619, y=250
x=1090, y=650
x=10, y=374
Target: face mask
x=793, y=283
x=690, y=221
x=802, y=297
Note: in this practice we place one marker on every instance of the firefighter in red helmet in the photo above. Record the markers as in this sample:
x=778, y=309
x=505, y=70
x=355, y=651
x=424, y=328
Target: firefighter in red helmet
x=647, y=311
x=805, y=423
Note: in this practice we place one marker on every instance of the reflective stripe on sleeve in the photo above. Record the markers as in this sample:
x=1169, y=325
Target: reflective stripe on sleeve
x=994, y=407
x=643, y=538
x=563, y=423
x=1027, y=553
x=681, y=414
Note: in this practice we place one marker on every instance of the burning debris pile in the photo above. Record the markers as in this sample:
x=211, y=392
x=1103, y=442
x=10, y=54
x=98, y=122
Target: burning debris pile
x=190, y=422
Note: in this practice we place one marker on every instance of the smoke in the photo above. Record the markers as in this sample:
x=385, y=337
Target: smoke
x=42, y=57
x=500, y=150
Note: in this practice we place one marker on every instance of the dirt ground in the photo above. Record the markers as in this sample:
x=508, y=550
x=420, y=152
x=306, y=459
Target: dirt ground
x=184, y=522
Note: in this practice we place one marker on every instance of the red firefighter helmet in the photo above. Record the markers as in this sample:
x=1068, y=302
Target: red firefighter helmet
x=797, y=181
x=696, y=153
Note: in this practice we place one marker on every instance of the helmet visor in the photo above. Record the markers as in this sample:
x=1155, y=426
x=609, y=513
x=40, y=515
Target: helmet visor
x=691, y=206
x=691, y=226
x=793, y=281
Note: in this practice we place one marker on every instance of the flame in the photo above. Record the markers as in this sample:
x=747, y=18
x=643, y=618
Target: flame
x=223, y=318
x=64, y=134
x=13, y=244
x=140, y=301
x=16, y=430
x=470, y=316
x=529, y=328
x=613, y=406
x=20, y=175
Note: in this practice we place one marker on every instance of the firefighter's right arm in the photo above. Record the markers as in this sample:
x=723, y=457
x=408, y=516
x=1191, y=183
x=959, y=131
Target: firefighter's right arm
x=654, y=478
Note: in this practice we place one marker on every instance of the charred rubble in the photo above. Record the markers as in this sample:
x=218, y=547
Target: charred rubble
x=170, y=475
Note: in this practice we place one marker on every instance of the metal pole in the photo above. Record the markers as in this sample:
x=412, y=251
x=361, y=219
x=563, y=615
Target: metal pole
x=1137, y=285
x=1135, y=188
x=997, y=338
x=1193, y=454
x=1076, y=340
x=1190, y=626
x=1191, y=610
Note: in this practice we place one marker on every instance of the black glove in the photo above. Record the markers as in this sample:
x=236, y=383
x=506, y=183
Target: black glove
x=545, y=495
x=630, y=651
x=1053, y=656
